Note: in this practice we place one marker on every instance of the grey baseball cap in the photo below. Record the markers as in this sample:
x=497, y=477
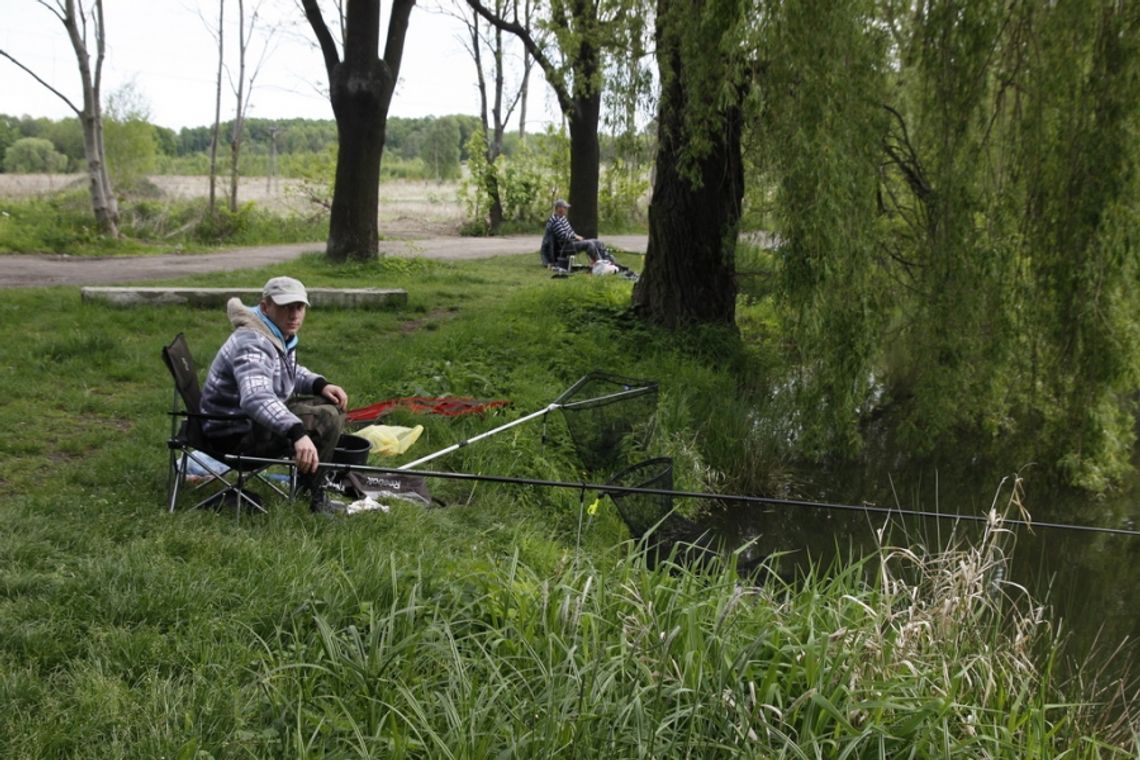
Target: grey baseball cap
x=285, y=290
x=561, y=204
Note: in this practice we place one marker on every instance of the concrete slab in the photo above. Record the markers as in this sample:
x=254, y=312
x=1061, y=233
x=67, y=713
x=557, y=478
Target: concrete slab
x=337, y=298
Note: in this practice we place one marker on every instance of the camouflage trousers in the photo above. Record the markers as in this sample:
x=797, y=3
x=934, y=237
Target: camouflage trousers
x=323, y=422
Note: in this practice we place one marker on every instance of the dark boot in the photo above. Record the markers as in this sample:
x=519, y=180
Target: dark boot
x=320, y=503
x=316, y=485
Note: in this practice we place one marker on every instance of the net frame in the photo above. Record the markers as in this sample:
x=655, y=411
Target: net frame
x=601, y=410
x=642, y=511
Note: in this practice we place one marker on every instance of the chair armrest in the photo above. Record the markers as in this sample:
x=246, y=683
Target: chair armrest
x=204, y=416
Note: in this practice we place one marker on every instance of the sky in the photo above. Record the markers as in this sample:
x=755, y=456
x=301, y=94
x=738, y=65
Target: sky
x=166, y=51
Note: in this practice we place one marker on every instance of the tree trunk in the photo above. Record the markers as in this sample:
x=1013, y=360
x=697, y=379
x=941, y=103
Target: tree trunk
x=360, y=104
x=524, y=91
x=360, y=90
x=213, y=203
x=238, y=127
x=584, y=157
x=690, y=272
x=103, y=202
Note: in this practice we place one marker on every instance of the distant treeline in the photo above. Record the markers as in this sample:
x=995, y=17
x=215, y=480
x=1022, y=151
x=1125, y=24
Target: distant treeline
x=430, y=147
x=268, y=145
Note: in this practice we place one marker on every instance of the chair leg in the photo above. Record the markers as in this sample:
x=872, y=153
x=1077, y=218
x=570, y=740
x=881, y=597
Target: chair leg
x=176, y=476
x=179, y=471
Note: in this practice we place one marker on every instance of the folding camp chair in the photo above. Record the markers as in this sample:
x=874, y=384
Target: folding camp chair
x=563, y=257
x=191, y=453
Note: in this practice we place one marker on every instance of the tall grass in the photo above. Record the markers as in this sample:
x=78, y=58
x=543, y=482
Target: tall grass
x=502, y=625
x=601, y=658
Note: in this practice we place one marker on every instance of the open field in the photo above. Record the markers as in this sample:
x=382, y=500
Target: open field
x=408, y=208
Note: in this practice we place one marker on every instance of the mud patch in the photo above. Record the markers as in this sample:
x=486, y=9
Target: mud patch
x=430, y=320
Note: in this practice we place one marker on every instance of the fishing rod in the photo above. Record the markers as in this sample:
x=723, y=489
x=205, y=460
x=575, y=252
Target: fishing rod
x=609, y=490
x=562, y=402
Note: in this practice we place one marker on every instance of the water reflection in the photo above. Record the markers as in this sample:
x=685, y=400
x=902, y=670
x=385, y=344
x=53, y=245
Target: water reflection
x=1089, y=581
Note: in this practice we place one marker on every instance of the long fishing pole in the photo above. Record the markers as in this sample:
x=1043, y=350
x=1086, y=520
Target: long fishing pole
x=481, y=436
x=610, y=489
x=557, y=404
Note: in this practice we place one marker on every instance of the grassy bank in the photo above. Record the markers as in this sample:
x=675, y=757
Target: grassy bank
x=503, y=624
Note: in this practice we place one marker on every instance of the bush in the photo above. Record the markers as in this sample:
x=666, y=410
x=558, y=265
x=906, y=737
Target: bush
x=522, y=181
x=58, y=224
x=252, y=225
x=621, y=193
x=34, y=155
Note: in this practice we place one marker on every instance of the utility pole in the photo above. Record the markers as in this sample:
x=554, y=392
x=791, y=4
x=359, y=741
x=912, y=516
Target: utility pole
x=271, y=175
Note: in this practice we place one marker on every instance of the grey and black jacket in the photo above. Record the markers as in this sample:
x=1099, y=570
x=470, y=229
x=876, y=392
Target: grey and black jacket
x=252, y=376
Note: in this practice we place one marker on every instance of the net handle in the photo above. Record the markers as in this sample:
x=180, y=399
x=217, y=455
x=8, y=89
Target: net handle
x=481, y=436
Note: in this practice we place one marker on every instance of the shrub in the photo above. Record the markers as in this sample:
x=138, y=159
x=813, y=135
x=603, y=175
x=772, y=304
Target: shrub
x=34, y=155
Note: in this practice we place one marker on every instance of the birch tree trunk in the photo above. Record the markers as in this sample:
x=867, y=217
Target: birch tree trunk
x=217, y=110
x=76, y=20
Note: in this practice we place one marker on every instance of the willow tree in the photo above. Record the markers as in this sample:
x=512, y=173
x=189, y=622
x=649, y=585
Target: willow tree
x=958, y=205
x=1010, y=183
x=1077, y=149
x=360, y=90
x=817, y=133
x=694, y=215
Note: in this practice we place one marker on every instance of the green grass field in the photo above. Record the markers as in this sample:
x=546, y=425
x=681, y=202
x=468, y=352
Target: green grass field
x=505, y=624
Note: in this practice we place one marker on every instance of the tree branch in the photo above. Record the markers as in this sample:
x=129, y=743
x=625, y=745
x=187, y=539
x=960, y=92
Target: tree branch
x=908, y=164
x=397, y=33
x=554, y=75
x=324, y=37
x=35, y=76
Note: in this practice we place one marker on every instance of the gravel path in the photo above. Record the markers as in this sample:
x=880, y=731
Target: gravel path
x=34, y=270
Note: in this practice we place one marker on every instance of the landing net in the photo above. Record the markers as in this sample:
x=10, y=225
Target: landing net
x=642, y=511
x=603, y=412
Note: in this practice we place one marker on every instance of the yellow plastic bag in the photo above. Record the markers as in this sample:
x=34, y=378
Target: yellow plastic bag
x=390, y=440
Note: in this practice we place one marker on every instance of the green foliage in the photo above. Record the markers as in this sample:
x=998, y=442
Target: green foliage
x=962, y=259
x=9, y=133
x=46, y=225
x=250, y=225
x=822, y=153
x=1077, y=144
x=131, y=149
x=197, y=165
x=318, y=177
x=33, y=155
x=67, y=137
x=621, y=193
x=62, y=224
x=526, y=182
x=440, y=149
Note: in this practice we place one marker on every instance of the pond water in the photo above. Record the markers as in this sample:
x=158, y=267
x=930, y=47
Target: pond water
x=1089, y=581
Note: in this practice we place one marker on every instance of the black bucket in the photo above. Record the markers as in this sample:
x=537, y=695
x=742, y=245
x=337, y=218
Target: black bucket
x=352, y=449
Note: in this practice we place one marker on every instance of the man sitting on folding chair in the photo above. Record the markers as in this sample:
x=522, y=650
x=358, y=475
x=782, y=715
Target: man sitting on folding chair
x=563, y=238
x=566, y=239
x=256, y=374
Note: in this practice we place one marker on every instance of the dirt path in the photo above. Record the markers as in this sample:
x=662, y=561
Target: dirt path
x=46, y=270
